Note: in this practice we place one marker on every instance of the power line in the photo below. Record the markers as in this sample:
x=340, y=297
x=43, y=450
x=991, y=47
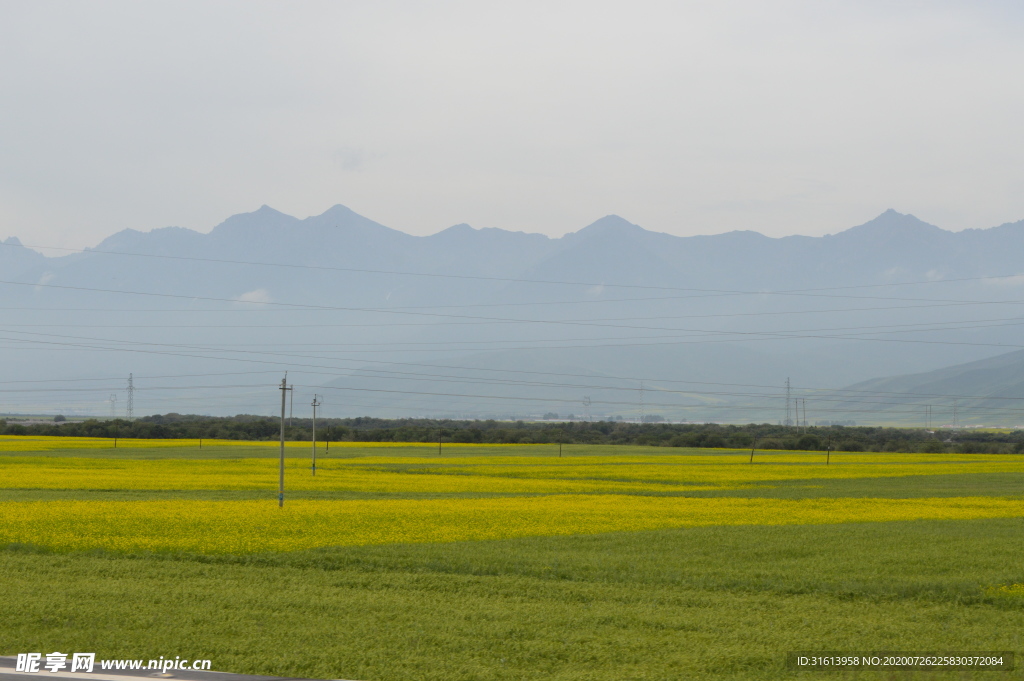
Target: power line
x=703, y=337
x=501, y=279
x=118, y=378
x=148, y=389
x=727, y=407
x=194, y=310
x=535, y=384
x=611, y=402
x=966, y=325
x=714, y=292
x=227, y=358
x=436, y=325
x=892, y=328
x=209, y=349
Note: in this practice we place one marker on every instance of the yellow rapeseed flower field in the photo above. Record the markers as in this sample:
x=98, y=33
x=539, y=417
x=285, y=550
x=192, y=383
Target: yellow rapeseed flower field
x=484, y=475
x=498, y=496
x=244, y=527
x=716, y=471
x=261, y=474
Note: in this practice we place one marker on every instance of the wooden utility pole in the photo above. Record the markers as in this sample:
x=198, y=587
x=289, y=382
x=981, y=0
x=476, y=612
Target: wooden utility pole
x=315, y=405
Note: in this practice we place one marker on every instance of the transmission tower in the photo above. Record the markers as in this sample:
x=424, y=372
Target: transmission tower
x=586, y=407
x=642, y=402
x=130, y=411
x=788, y=420
x=113, y=407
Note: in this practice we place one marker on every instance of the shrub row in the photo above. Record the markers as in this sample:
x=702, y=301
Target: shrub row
x=365, y=429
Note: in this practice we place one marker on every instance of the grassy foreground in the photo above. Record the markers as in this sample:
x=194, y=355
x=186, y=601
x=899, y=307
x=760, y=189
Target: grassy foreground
x=722, y=599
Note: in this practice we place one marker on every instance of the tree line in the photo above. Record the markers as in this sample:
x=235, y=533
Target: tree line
x=366, y=429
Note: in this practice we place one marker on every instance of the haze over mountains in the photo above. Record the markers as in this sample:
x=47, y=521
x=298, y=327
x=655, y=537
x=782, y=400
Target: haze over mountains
x=609, y=320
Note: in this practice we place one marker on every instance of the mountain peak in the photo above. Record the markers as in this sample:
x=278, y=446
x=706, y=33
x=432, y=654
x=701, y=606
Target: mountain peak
x=339, y=211
x=610, y=224
x=891, y=222
x=461, y=228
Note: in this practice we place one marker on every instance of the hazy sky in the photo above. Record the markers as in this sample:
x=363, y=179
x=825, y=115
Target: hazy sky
x=683, y=117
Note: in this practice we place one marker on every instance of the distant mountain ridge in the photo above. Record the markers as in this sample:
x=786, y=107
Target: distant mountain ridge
x=891, y=237
x=645, y=305
x=983, y=391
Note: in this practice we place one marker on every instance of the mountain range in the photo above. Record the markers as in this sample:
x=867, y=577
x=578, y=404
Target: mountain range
x=611, y=320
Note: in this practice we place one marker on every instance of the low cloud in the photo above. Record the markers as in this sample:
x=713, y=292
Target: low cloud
x=260, y=295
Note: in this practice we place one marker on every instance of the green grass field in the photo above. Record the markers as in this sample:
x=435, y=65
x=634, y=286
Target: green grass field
x=555, y=597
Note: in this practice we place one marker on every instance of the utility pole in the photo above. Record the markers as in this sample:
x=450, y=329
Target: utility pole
x=130, y=411
x=315, y=405
x=284, y=393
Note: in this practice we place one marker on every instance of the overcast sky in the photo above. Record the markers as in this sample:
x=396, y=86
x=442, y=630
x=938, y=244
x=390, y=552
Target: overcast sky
x=683, y=117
